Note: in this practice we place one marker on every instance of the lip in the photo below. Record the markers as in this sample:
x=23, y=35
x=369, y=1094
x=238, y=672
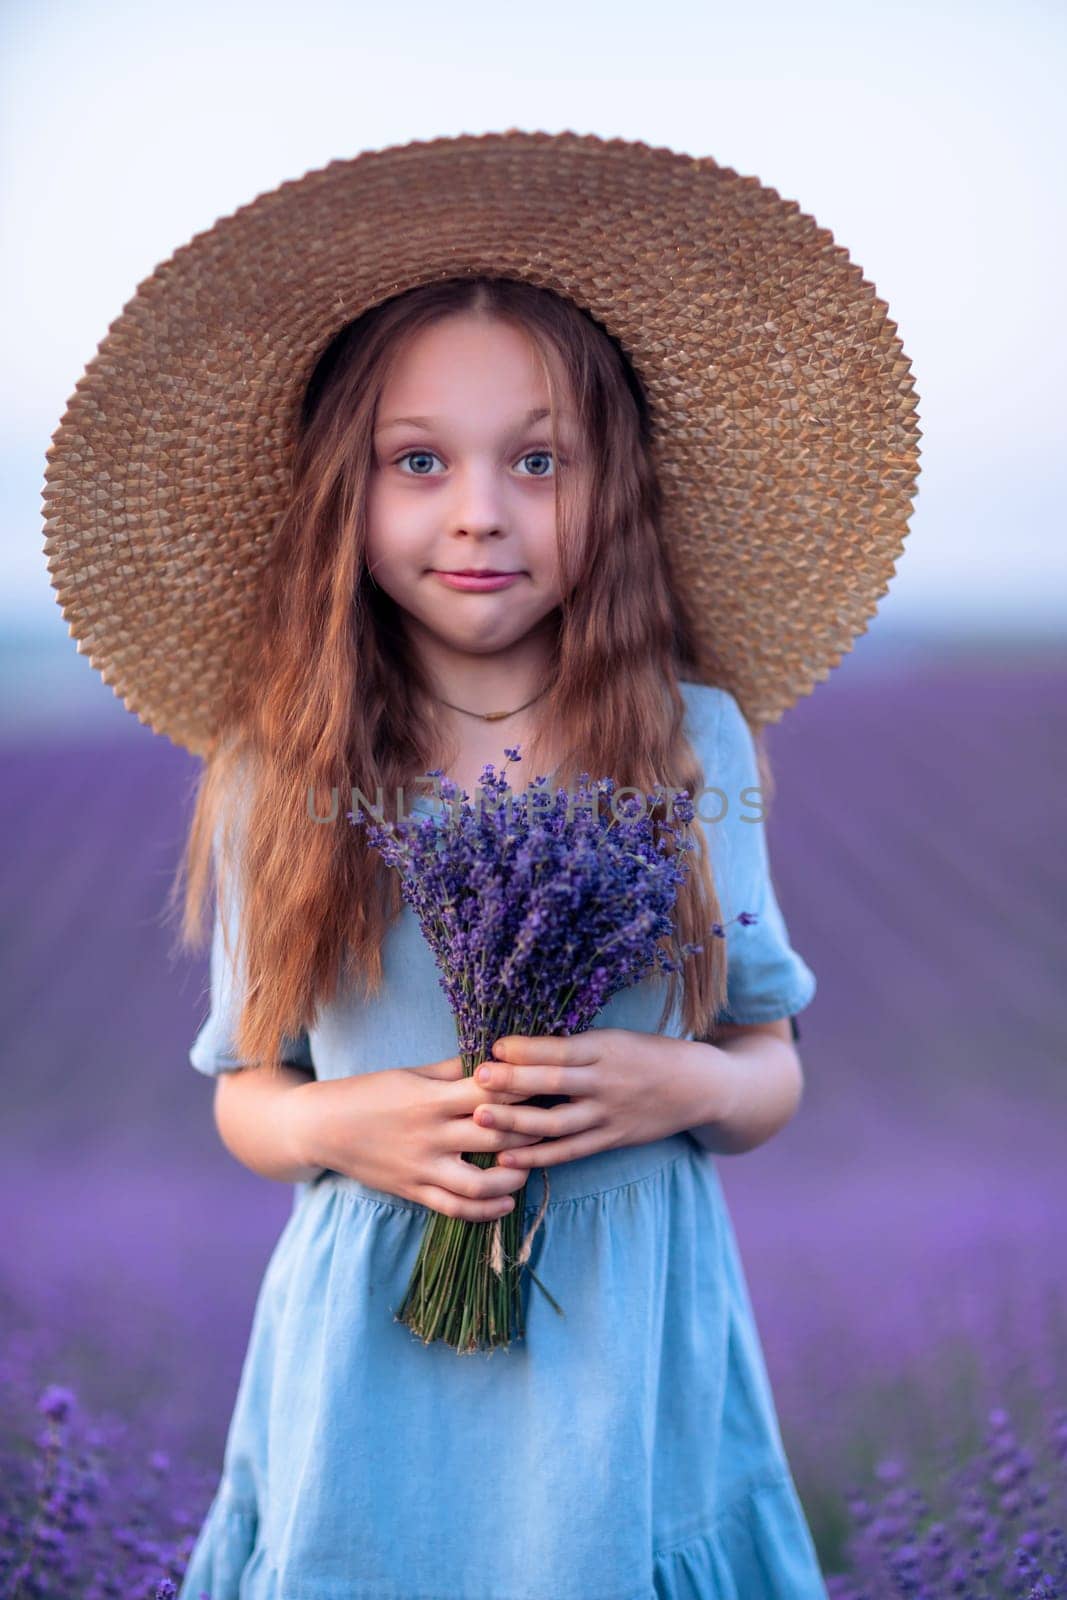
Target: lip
x=475, y=583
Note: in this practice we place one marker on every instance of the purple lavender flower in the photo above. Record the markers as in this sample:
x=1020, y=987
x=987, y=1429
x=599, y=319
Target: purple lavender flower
x=538, y=907
x=994, y=1537
x=74, y=1526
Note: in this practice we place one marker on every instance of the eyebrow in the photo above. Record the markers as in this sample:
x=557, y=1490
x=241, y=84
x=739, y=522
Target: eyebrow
x=430, y=422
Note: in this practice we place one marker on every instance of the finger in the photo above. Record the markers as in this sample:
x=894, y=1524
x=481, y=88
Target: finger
x=551, y=1122
x=576, y=1050
x=550, y=1155
x=473, y=1182
x=452, y=1205
x=471, y=1093
x=539, y=1078
x=470, y=1136
x=450, y=1067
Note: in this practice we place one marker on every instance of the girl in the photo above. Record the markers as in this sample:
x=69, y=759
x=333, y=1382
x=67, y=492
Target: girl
x=477, y=421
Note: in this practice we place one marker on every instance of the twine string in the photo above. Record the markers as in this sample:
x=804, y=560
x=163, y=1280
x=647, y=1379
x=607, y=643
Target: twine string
x=496, y=1249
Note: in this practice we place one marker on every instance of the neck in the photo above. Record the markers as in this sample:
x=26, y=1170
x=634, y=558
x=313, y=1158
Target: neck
x=495, y=681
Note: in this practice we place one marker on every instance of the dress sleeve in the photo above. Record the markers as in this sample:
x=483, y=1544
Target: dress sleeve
x=213, y=1050
x=766, y=978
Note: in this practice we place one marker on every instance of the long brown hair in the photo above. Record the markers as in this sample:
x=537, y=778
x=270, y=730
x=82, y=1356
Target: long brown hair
x=336, y=698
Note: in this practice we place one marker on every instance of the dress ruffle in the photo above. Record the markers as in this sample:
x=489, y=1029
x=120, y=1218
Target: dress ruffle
x=224, y=1551
x=758, y=1549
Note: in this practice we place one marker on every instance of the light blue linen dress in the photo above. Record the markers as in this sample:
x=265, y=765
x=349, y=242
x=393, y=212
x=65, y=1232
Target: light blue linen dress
x=627, y=1451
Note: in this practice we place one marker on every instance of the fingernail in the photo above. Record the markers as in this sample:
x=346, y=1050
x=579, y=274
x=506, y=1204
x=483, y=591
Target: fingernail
x=484, y=1074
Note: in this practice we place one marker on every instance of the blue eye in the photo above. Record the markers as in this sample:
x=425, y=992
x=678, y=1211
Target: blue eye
x=417, y=453
x=431, y=455
x=533, y=455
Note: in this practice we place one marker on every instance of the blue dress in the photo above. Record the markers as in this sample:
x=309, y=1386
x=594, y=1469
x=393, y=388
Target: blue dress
x=627, y=1451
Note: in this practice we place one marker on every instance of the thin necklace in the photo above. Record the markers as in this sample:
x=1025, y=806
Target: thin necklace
x=490, y=716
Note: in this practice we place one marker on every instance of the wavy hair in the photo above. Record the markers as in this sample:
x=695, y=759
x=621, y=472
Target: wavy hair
x=334, y=692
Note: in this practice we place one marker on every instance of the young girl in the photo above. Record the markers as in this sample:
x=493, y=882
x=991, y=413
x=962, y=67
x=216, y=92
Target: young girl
x=480, y=421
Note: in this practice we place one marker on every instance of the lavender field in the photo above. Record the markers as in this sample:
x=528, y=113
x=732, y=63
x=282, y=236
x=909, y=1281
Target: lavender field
x=903, y=1238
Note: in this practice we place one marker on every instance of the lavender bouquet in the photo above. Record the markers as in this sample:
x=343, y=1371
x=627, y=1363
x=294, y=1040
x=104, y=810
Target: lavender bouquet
x=537, y=908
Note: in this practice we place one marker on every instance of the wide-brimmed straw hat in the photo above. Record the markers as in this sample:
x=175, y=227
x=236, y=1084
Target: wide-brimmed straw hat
x=783, y=409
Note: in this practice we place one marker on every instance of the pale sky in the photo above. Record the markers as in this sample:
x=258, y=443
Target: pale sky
x=928, y=137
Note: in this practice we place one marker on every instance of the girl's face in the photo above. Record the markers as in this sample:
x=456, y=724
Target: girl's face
x=463, y=478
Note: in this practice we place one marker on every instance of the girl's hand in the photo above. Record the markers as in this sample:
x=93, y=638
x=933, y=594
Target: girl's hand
x=404, y=1130
x=624, y=1088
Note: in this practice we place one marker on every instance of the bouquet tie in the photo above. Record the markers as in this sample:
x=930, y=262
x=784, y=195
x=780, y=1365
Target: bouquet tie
x=496, y=1249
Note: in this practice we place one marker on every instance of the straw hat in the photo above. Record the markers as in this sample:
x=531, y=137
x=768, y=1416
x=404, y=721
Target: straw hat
x=783, y=410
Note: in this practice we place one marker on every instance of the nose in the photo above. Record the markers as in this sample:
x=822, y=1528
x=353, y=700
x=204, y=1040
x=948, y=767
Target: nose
x=477, y=508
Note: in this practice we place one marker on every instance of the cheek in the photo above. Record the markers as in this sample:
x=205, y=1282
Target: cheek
x=545, y=563
x=394, y=530
x=539, y=527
